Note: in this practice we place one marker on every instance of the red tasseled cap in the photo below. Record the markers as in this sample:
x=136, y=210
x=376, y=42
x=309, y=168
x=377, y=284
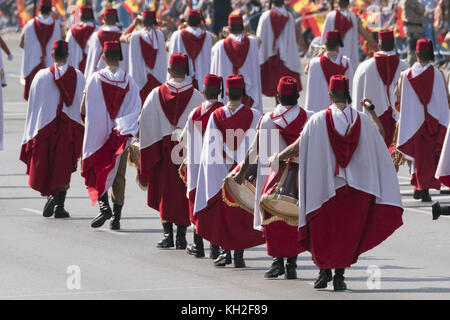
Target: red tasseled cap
x=148, y=13
x=287, y=86
x=213, y=80
x=110, y=11
x=235, y=82
x=235, y=19
x=338, y=82
x=385, y=35
x=423, y=44
x=178, y=60
x=58, y=43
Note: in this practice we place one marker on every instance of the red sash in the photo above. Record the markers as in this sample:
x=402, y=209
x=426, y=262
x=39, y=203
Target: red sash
x=343, y=146
x=342, y=24
x=423, y=87
x=67, y=85
x=113, y=96
x=148, y=53
x=81, y=36
x=43, y=32
x=174, y=103
x=329, y=68
x=278, y=22
x=236, y=52
x=197, y=115
x=292, y=131
x=387, y=67
x=240, y=120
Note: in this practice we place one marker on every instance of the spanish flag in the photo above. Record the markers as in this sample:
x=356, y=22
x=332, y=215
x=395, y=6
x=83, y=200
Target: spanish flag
x=24, y=16
x=59, y=6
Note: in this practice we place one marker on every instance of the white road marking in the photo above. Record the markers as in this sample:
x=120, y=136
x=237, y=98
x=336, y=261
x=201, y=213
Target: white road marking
x=31, y=210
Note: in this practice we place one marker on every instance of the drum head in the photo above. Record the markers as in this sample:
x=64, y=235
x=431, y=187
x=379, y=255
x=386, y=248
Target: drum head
x=241, y=194
x=281, y=206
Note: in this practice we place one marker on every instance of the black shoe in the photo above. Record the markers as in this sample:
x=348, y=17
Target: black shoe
x=181, y=242
x=276, y=269
x=214, y=252
x=325, y=276
x=426, y=196
x=439, y=210
x=105, y=212
x=223, y=259
x=239, y=259
x=50, y=205
x=196, y=249
x=291, y=268
x=117, y=213
x=167, y=241
x=418, y=194
x=59, y=211
x=338, y=280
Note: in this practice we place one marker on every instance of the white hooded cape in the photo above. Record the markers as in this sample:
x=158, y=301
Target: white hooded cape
x=75, y=51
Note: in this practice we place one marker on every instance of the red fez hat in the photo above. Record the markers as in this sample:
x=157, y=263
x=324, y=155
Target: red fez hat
x=111, y=45
x=423, y=44
x=287, y=86
x=85, y=10
x=385, y=35
x=235, y=82
x=194, y=13
x=213, y=80
x=59, y=43
x=45, y=3
x=338, y=82
x=332, y=34
x=178, y=60
x=110, y=12
x=148, y=13
x=235, y=19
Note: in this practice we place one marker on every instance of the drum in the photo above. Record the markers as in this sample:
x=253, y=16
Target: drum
x=242, y=194
x=134, y=160
x=280, y=194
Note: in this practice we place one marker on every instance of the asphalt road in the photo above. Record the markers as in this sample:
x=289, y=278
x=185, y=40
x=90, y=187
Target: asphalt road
x=65, y=259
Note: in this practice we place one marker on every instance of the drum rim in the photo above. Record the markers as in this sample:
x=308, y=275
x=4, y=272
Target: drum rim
x=232, y=195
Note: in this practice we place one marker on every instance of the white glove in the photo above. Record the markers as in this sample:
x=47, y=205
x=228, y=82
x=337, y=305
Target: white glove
x=10, y=57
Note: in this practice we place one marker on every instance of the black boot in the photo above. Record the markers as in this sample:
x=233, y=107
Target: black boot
x=181, y=242
x=50, y=205
x=196, y=249
x=325, y=276
x=426, y=196
x=338, y=280
x=223, y=259
x=239, y=259
x=214, y=251
x=59, y=211
x=167, y=241
x=105, y=212
x=439, y=210
x=418, y=194
x=291, y=268
x=276, y=269
x=117, y=213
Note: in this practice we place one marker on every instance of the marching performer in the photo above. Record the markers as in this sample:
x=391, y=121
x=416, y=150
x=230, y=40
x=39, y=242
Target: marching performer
x=238, y=54
x=349, y=199
x=349, y=27
x=36, y=40
x=78, y=36
x=196, y=43
x=424, y=115
x=321, y=68
x=376, y=78
x=148, y=59
x=229, y=133
x=164, y=115
x=2, y=84
x=278, y=53
x=282, y=126
x=53, y=135
x=108, y=32
x=110, y=111
x=193, y=139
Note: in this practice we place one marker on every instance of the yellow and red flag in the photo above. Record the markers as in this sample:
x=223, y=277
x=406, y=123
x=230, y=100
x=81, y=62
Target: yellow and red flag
x=24, y=16
x=59, y=6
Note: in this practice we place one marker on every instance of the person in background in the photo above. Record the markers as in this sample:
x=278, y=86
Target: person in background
x=414, y=13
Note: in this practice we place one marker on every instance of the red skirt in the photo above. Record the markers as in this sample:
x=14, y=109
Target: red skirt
x=282, y=240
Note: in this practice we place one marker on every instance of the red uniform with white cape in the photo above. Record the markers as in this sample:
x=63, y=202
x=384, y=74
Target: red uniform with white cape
x=77, y=38
x=278, y=130
x=238, y=55
x=424, y=119
x=196, y=127
x=348, y=189
x=39, y=35
x=164, y=114
x=148, y=60
x=375, y=79
x=320, y=71
x=112, y=110
x=53, y=135
x=3, y=84
x=346, y=23
x=94, y=60
x=196, y=43
x=278, y=53
x=230, y=227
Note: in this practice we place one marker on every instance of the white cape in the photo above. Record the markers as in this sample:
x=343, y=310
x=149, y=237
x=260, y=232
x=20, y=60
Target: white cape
x=75, y=51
